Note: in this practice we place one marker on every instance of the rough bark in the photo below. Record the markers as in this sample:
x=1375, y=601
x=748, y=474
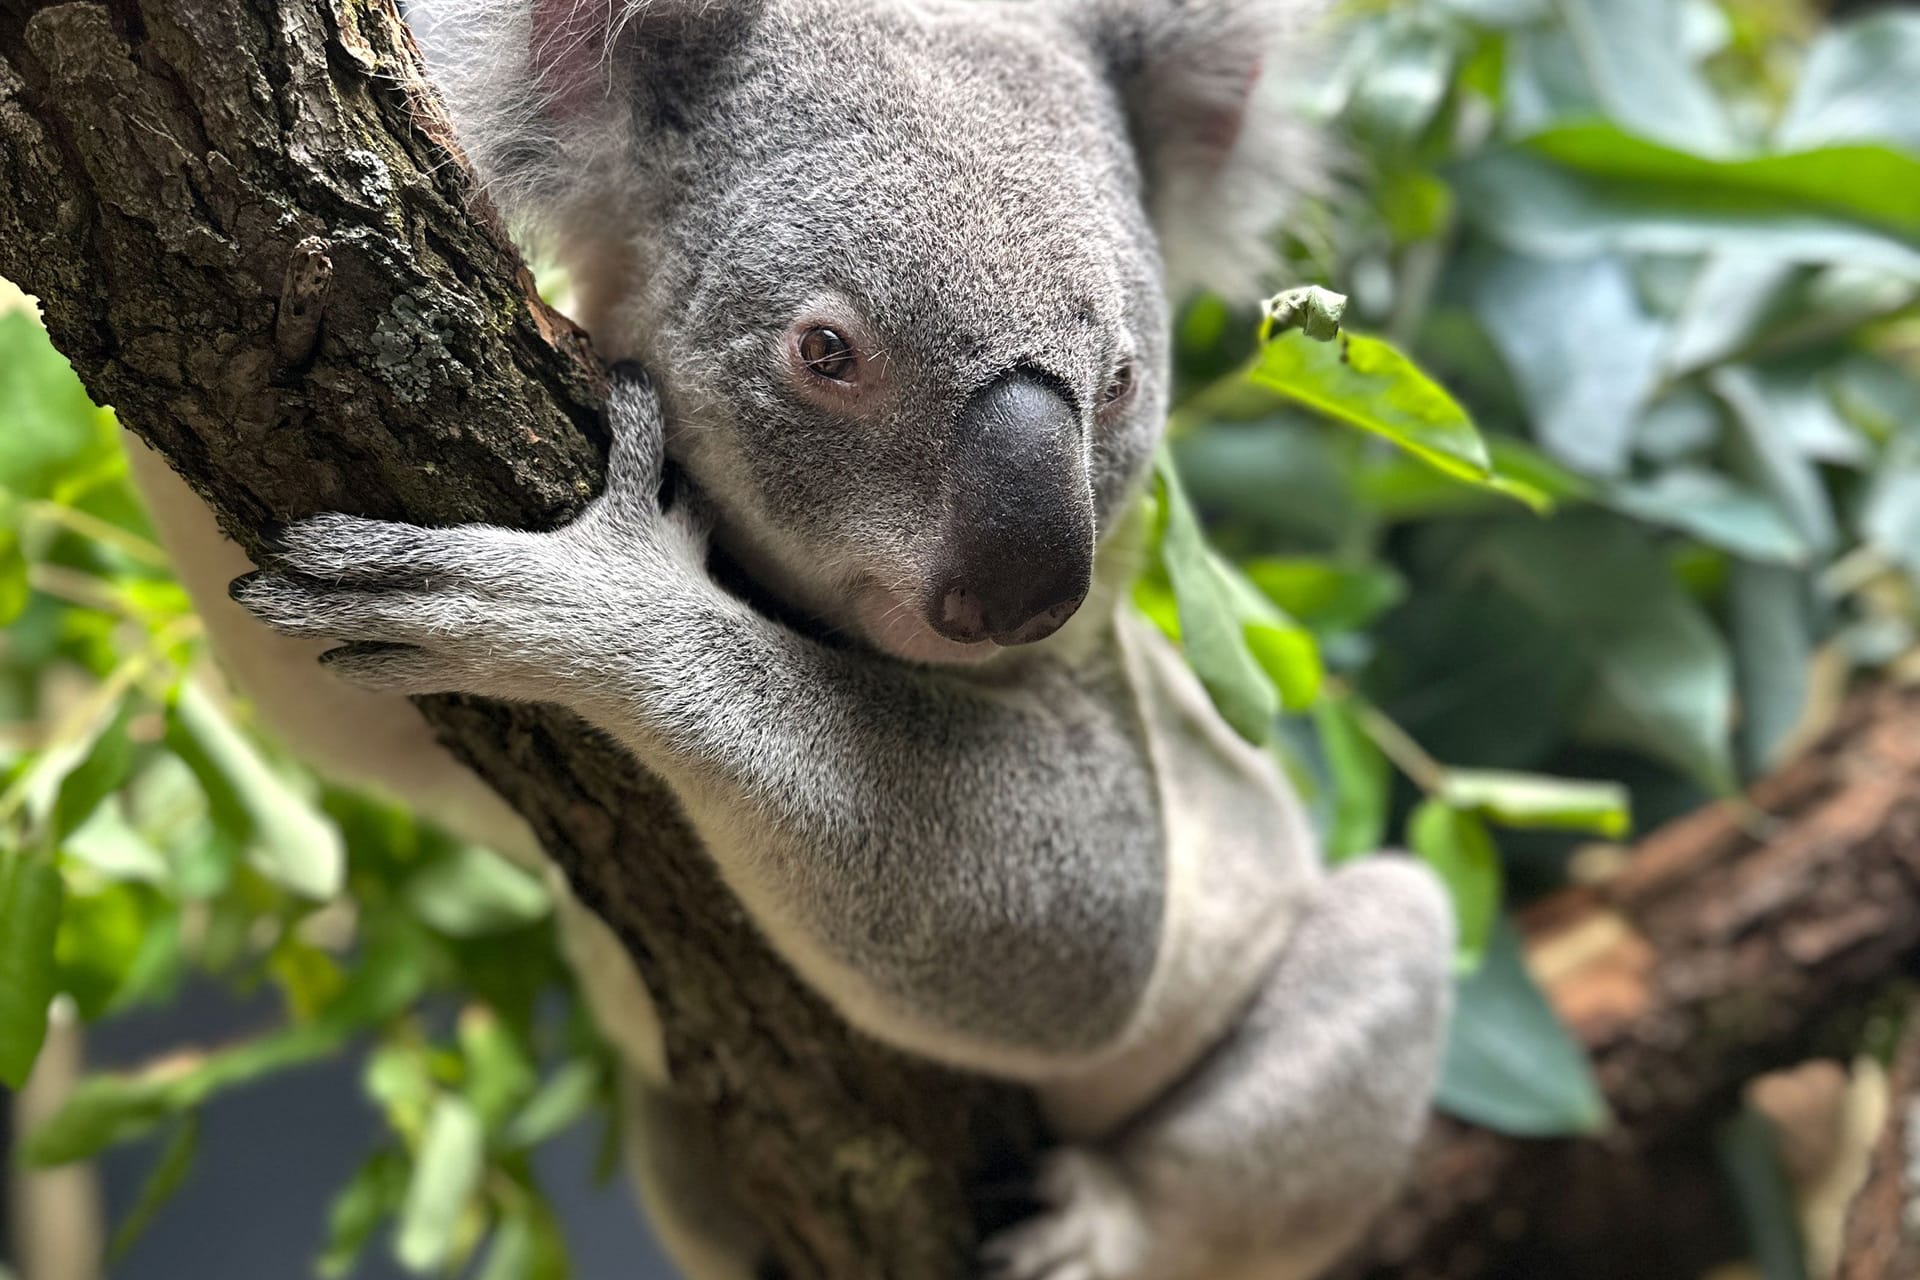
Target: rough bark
x=249, y=236
x=1738, y=940
x=1883, y=1227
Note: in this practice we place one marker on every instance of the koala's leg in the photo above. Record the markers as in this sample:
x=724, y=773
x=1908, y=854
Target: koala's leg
x=1272, y=1153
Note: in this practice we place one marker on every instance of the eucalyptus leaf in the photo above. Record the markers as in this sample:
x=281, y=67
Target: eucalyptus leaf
x=1362, y=781
x=1710, y=507
x=1537, y=800
x=286, y=839
x=1861, y=81
x=446, y=1174
x=1583, y=351
x=1510, y=1065
x=1662, y=679
x=30, y=901
x=1366, y=383
x=1533, y=205
x=1460, y=850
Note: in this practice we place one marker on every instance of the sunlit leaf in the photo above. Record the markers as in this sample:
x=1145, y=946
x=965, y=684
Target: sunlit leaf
x=1366, y=383
x=1537, y=800
x=446, y=1173
x=472, y=892
x=1876, y=185
x=30, y=897
x=286, y=839
x=1457, y=846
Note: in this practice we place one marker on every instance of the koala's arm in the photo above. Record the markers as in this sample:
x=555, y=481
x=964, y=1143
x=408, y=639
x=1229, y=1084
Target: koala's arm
x=1001, y=877
x=906, y=838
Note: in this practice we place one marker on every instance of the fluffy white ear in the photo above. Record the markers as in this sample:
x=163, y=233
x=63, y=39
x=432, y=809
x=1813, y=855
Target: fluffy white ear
x=549, y=95
x=1205, y=84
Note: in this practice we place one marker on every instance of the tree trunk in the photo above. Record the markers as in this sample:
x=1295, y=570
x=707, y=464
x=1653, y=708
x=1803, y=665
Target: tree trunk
x=1883, y=1228
x=247, y=235
x=1740, y=939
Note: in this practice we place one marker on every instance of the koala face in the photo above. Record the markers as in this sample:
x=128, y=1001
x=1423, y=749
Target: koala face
x=893, y=265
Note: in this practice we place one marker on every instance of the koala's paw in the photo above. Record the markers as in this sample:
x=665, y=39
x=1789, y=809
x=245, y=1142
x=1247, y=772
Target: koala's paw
x=416, y=610
x=1090, y=1229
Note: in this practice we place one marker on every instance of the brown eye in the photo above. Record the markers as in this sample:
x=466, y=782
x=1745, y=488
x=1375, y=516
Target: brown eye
x=1120, y=387
x=828, y=355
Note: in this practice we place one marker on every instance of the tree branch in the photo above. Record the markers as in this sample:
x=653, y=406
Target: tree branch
x=1883, y=1226
x=250, y=237
x=1734, y=943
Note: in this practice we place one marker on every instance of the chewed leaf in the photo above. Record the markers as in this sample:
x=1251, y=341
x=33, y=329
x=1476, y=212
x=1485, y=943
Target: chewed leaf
x=1366, y=383
x=1312, y=310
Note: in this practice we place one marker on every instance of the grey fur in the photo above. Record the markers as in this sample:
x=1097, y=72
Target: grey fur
x=1057, y=864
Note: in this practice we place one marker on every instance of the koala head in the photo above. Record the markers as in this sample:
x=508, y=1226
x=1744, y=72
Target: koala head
x=901, y=268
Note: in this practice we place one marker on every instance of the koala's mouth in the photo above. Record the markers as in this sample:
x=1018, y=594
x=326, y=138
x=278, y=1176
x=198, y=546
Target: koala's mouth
x=902, y=626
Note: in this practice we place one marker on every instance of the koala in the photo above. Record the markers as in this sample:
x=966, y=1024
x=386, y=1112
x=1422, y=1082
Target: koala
x=889, y=285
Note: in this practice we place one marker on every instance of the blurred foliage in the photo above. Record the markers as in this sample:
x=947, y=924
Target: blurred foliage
x=148, y=835
x=1633, y=354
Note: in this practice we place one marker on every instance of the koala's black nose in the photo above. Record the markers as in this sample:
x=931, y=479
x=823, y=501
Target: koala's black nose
x=1016, y=557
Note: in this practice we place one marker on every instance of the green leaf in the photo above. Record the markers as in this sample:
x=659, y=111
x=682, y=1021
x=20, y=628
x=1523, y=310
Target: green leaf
x=1510, y=1065
x=1872, y=184
x=107, y=1109
x=1360, y=777
x=1662, y=680
x=526, y=1246
x=1761, y=407
x=1860, y=81
x=1582, y=349
x=1708, y=506
x=1364, y=382
x=286, y=839
x=1210, y=632
x=14, y=589
x=1314, y=311
x=374, y=1193
x=1763, y=1194
x=1460, y=850
x=101, y=937
x=446, y=1174
x=102, y=771
x=1773, y=644
x=1533, y=205
x=473, y=892
x=570, y=1094
x=499, y=1073
x=1325, y=596
x=1636, y=59
x=1537, y=800
x=52, y=428
x=30, y=894
x=162, y=1182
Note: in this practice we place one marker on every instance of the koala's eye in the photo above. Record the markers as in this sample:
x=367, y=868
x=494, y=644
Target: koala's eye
x=828, y=355
x=1119, y=388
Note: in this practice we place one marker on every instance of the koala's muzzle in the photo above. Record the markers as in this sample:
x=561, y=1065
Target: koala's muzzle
x=1016, y=558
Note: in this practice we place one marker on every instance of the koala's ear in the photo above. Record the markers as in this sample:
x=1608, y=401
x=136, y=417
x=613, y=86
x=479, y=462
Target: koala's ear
x=1204, y=84
x=552, y=97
